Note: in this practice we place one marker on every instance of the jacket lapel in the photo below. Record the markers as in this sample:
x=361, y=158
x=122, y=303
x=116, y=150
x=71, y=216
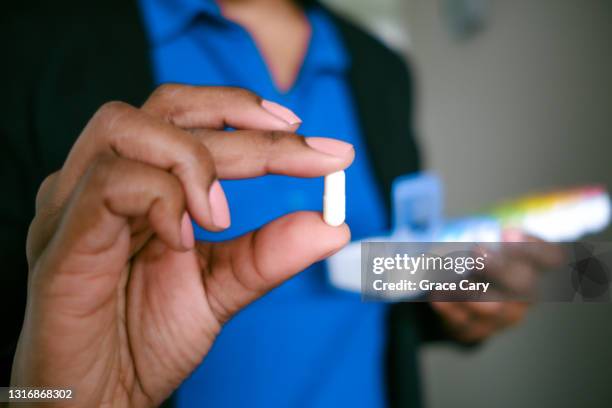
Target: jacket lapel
x=382, y=90
x=104, y=56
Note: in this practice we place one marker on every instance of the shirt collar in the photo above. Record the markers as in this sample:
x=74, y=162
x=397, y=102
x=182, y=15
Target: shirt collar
x=327, y=50
x=170, y=17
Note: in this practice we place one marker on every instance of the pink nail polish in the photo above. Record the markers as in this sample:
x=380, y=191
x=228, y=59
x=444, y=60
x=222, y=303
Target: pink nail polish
x=218, y=206
x=284, y=114
x=513, y=235
x=333, y=147
x=187, y=237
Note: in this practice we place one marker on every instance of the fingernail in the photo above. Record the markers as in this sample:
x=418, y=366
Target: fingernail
x=513, y=235
x=326, y=145
x=218, y=206
x=281, y=112
x=187, y=232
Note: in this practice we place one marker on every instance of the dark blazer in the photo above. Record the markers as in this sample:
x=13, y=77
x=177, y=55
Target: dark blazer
x=61, y=60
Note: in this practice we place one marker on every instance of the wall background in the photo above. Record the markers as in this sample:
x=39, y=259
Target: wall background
x=524, y=105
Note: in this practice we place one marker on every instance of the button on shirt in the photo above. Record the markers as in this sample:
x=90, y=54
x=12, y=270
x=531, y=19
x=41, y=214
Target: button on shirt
x=305, y=343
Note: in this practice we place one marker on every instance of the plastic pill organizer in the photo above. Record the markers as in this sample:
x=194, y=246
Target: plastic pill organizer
x=560, y=216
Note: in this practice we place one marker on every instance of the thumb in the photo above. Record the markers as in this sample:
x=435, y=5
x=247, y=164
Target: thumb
x=246, y=268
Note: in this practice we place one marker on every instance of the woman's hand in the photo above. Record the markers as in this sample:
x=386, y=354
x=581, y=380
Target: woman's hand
x=122, y=303
x=515, y=269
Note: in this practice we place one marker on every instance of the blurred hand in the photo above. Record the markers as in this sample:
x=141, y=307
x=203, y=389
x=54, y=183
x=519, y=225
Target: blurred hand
x=122, y=303
x=515, y=269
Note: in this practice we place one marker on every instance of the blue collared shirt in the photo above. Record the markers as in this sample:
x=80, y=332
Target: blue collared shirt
x=306, y=343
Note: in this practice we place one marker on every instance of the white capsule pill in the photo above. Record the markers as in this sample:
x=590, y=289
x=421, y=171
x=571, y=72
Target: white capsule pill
x=334, y=200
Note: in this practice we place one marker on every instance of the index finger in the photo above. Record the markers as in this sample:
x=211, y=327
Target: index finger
x=218, y=107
